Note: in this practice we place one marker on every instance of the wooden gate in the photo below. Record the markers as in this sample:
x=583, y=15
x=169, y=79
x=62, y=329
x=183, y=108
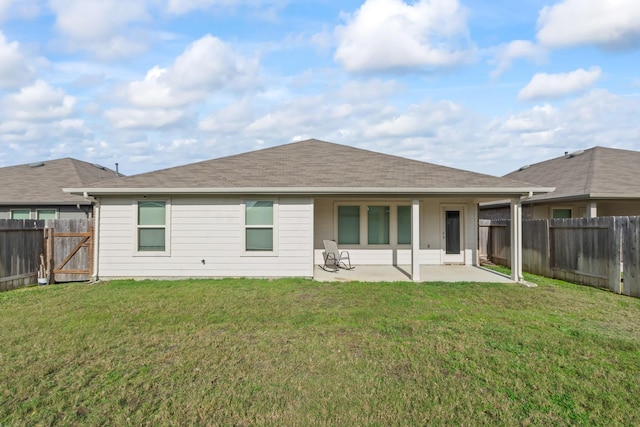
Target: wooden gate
x=69, y=249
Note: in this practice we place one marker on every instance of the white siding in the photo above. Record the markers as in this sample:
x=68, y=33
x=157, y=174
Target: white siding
x=205, y=229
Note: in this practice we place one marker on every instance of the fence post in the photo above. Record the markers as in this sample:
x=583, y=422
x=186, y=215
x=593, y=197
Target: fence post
x=618, y=226
x=49, y=256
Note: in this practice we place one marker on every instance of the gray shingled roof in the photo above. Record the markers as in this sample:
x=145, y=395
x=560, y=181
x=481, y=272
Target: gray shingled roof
x=598, y=172
x=311, y=165
x=41, y=183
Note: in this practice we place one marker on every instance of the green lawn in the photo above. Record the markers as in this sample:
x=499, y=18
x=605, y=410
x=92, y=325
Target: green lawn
x=298, y=352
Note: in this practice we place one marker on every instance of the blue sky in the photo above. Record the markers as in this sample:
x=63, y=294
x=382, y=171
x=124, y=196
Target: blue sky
x=478, y=85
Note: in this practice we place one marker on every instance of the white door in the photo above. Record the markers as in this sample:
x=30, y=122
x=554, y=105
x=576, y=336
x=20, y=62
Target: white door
x=452, y=235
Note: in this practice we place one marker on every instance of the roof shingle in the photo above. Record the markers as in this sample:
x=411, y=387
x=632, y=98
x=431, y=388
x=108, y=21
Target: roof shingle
x=42, y=182
x=310, y=164
x=595, y=172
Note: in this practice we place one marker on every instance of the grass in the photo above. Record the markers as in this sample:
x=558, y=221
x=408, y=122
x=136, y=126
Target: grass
x=298, y=352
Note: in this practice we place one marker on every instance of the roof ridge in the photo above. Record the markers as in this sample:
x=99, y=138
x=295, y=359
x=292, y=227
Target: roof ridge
x=75, y=167
x=591, y=169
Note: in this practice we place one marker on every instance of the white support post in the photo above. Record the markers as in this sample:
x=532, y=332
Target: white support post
x=516, y=240
x=415, y=240
x=592, y=209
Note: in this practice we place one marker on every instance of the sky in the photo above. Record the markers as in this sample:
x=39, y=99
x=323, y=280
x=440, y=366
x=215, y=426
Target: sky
x=486, y=86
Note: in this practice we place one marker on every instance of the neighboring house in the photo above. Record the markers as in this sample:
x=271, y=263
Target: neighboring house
x=266, y=213
x=595, y=182
x=34, y=191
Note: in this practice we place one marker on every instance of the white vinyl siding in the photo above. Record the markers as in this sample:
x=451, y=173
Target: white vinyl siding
x=206, y=239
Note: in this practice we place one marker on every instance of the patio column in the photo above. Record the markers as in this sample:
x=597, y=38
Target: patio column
x=592, y=209
x=415, y=240
x=516, y=239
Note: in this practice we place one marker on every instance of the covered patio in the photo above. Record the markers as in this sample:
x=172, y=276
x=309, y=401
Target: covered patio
x=402, y=273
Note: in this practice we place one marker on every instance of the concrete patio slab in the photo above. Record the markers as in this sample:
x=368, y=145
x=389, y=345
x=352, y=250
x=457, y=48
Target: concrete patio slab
x=401, y=273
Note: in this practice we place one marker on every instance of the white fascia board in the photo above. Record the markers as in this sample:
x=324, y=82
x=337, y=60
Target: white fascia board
x=488, y=191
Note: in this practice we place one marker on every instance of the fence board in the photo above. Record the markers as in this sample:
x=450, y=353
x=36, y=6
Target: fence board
x=631, y=256
x=20, y=248
x=66, y=237
x=582, y=250
x=588, y=251
x=535, y=247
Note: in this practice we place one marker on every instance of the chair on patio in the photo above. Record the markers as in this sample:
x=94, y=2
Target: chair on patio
x=334, y=259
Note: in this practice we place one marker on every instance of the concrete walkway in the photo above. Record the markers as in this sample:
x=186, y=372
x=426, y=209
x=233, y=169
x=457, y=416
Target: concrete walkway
x=401, y=273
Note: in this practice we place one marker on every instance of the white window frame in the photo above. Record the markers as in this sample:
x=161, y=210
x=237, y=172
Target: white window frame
x=364, y=223
x=55, y=214
x=274, y=227
x=167, y=228
x=19, y=209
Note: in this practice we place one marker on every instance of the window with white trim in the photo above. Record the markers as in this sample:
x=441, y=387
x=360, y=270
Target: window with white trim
x=260, y=232
x=152, y=226
x=364, y=224
x=46, y=214
x=349, y=225
x=378, y=225
x=403, y=218
x=20, y=214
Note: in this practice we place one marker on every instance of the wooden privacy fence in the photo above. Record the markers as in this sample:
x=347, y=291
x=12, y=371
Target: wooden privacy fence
x=592, y=251
x=65, y=245
x=20, y=247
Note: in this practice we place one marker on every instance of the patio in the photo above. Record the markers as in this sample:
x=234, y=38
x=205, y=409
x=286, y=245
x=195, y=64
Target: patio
x=401, y=273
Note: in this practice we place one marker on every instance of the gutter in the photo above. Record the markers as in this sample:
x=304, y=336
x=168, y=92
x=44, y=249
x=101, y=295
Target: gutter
x=486, y=191
x=96, y=236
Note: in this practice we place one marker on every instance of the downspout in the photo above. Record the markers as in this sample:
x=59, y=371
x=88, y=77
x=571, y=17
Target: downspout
x=96, y=236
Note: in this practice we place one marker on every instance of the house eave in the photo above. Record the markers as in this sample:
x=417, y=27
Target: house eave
x=478, y=191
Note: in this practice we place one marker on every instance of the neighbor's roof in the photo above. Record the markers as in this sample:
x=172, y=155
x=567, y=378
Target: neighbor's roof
x=595, y=173
x=311, y=167
x=41, y=183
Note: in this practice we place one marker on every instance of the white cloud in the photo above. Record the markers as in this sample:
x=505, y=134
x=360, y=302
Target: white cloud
x=544, y=85
x=391, y=34
x=18, y=8
x=38, y=102
x=541, y=118
x=425, y=120
x=207, y=65
x=230, y=119
x=184, y=6
x=130, y=118
x=15, y=69
x=516, y=49
x=610, y=24
x=100, y=27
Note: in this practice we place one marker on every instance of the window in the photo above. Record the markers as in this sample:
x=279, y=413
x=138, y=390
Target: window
x=378, y=225
x=46, y=214
x=259, y=225
x=369, y=224
x=20, y=214
x=404, y=225
x=348, y=225
x=152, y=219
x=561, y=213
